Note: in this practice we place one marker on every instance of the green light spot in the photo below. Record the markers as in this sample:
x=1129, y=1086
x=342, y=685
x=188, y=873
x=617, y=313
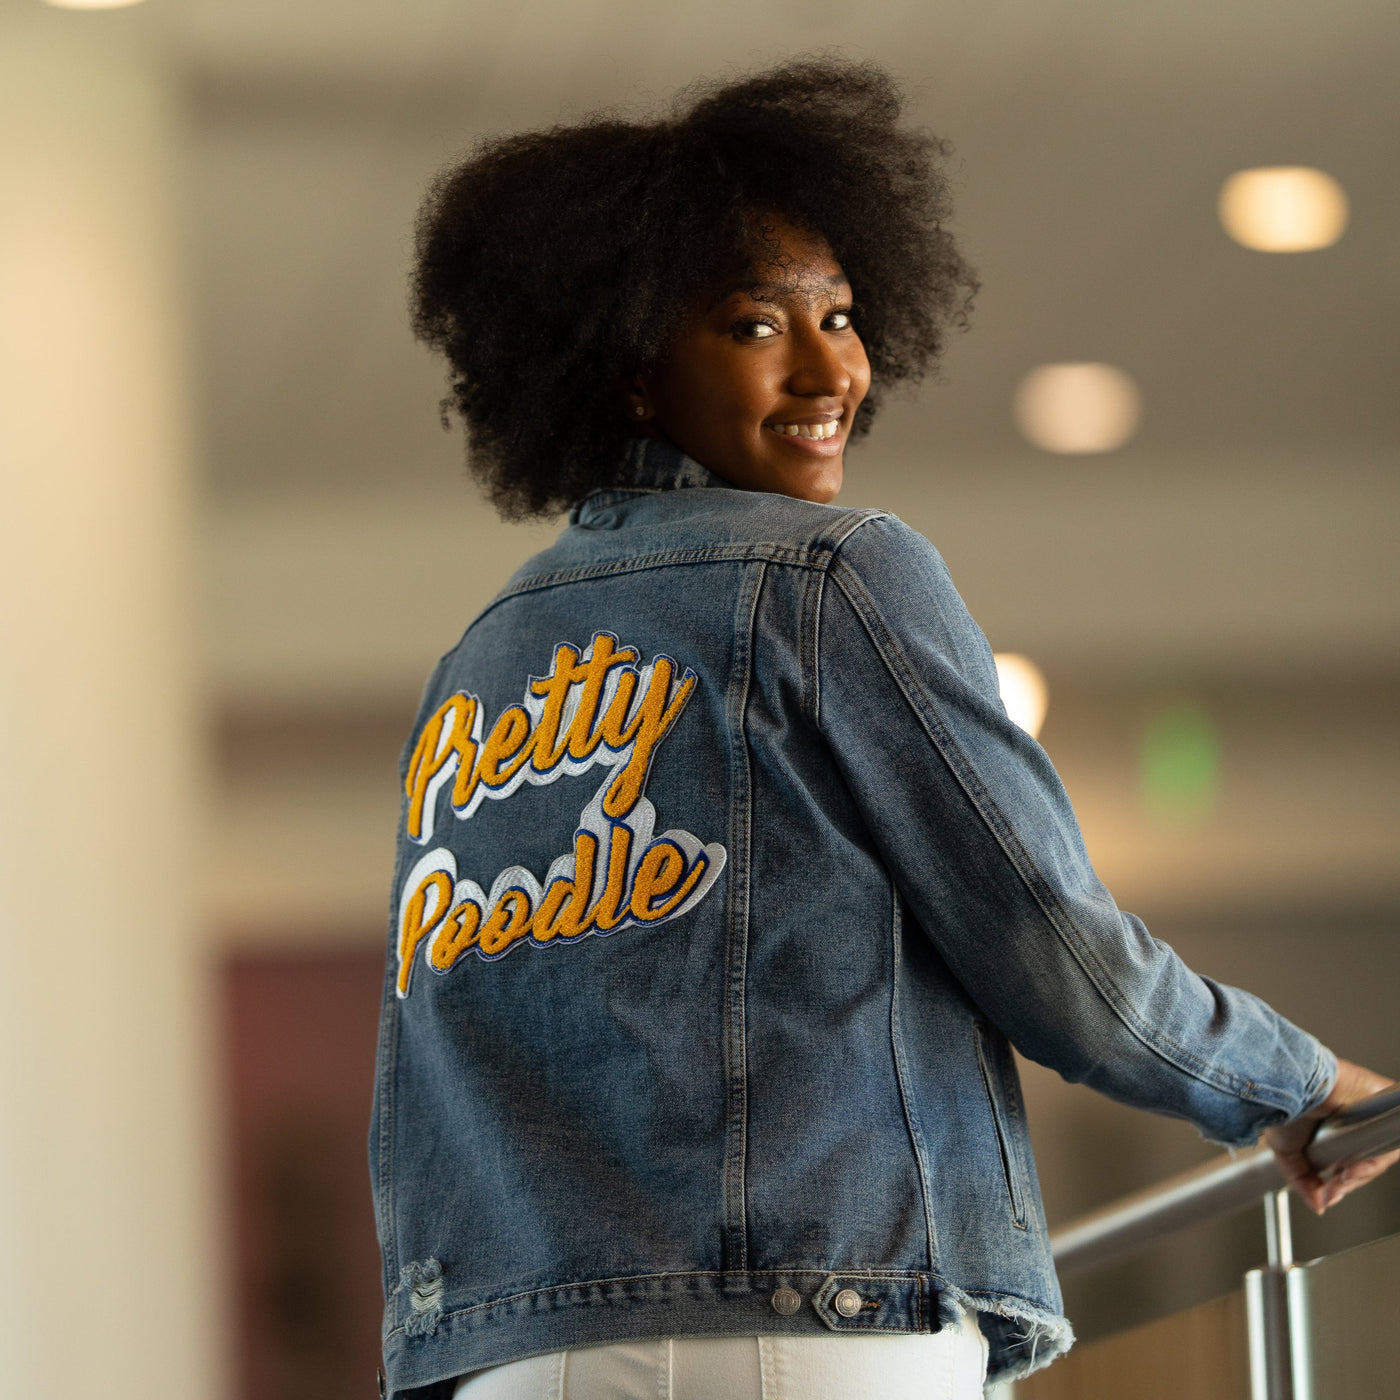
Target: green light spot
x=1179, y=765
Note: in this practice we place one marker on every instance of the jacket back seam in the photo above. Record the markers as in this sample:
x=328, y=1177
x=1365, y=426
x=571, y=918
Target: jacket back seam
x=736, y=960
x=821, y=600
x=812, y=556
x=384, y=1195
x=809, y=610
x=816, y=555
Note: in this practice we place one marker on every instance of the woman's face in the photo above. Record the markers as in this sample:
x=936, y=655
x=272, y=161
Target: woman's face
x=762, y=385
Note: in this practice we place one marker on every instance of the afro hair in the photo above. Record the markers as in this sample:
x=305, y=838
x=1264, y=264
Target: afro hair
x=552, y=264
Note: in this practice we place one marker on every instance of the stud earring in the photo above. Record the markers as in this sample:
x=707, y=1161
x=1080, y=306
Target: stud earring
x=640, y=411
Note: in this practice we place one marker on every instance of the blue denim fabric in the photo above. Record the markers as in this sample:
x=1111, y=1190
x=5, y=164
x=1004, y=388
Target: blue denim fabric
x=723, y=883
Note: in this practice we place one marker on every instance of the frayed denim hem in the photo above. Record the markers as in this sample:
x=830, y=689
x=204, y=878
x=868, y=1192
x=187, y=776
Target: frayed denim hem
x=1021, y=1337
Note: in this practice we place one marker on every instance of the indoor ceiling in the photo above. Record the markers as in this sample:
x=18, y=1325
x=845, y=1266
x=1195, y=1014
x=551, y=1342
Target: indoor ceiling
x=1091, y=142
x=1250, y=520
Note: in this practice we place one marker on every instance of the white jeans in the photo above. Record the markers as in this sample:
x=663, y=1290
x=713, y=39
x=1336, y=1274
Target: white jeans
x=947, y=1365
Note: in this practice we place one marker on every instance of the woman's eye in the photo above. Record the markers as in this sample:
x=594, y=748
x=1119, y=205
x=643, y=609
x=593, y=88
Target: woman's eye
x=754, y=330
x=838, y=321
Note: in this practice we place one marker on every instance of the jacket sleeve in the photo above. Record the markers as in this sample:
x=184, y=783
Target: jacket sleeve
x=976, y=828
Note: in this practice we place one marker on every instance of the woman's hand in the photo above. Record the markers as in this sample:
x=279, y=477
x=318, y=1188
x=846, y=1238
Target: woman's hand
x=1290, y=1139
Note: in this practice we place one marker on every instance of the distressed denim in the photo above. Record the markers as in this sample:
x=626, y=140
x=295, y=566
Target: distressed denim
x=724, y=886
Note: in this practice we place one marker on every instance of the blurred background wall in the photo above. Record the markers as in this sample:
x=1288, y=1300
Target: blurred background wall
x=1214, y=602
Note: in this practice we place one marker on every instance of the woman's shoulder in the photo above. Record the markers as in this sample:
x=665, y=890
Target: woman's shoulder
x=886, y=553
x=710, y=519
x=628, y=529
x=896, y=583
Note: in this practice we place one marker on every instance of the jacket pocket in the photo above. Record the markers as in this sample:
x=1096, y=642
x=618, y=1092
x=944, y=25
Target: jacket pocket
x=999, y=1080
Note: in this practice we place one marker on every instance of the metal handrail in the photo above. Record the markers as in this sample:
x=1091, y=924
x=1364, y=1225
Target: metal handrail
x=1220, y=1186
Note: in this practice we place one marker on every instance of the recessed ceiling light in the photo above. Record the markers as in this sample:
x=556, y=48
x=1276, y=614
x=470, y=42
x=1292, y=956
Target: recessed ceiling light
x=1283, y=208
x=1083, y=407
x=1023, y=690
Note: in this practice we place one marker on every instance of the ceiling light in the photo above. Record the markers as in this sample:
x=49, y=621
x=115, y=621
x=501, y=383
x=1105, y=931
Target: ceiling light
x=1078, y=407
x=1283, y=209
x=1023, y=690
x=91, y=4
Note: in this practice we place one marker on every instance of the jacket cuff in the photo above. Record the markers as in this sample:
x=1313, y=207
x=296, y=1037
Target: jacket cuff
x=1324, y=1076
x=1319, y=1084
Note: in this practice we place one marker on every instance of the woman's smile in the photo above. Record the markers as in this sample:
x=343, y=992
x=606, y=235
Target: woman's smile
x=819, y=436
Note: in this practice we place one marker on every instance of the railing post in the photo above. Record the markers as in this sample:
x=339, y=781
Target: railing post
x=1276, y=1306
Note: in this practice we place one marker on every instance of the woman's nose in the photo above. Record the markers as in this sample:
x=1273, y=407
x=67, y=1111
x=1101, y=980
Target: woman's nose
x=819, y=369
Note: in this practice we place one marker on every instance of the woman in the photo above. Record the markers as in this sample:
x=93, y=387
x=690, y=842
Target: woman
x=723, y=876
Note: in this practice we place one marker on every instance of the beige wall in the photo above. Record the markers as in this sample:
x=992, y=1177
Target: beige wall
x=108, y=1269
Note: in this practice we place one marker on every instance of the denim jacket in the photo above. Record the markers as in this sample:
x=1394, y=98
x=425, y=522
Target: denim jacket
x=724, y=887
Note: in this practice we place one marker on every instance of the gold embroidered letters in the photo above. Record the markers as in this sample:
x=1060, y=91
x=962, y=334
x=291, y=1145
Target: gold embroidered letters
x=599, y=707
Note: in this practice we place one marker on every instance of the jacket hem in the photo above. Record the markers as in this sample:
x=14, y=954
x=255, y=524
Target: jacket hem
x=1021, y=1336
x=696, y=1304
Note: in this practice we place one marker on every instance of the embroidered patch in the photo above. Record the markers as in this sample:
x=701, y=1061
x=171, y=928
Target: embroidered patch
x=598, y=706
x=594, y=707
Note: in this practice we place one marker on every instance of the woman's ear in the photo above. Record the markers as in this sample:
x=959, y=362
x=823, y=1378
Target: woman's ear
x=636, y=401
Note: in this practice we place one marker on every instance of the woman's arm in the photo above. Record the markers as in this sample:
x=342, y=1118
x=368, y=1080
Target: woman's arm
x=975, y=825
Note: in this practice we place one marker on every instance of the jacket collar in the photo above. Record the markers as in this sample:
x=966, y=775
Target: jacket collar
x=648, y=466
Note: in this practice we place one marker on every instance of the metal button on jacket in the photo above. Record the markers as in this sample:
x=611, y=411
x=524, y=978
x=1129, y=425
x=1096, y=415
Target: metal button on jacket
x=786, y=1301
x=847, y=1302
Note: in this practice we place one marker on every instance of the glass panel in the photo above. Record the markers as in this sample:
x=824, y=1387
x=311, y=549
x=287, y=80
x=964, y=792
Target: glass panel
x=1354, y=1300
